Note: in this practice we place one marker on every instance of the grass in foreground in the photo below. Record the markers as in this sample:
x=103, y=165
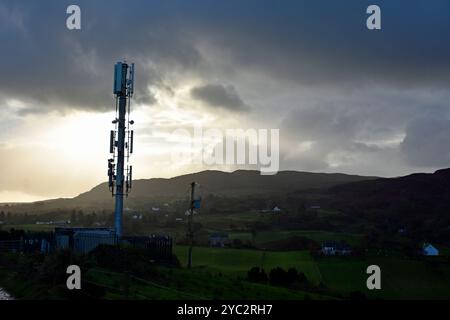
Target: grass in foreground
x=402, y=278
x=190, y=284
x=238, y=262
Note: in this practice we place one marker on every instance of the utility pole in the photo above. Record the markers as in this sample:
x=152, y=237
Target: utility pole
x=190, y=234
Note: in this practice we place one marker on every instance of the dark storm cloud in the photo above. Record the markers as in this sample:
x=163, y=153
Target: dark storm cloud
x=427, y=142
x=51, y=68
x=327, y=42
x=306, y=42
x=364, y=88
x=217, y=95
x=376, y=131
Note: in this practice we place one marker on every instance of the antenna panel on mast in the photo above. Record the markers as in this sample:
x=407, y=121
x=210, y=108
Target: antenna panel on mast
x=131, y=81
x=117, y=78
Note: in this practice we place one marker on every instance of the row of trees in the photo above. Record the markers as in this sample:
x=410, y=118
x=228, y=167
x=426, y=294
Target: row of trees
x=279, y=277
x=76, y=217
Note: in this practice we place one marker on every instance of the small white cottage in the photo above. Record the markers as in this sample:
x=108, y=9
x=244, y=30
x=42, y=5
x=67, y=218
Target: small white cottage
x=430, y=250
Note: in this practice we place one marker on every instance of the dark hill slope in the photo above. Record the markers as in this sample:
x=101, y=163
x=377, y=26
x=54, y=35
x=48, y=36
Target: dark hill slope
x=414, y=194
x=238, y=184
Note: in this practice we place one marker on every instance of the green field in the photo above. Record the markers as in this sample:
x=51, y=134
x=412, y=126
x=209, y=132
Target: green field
x=228, y=222
x=318, y=236
x=193, y=284
x=238, y=262
x=401, y=278
x=168, y=284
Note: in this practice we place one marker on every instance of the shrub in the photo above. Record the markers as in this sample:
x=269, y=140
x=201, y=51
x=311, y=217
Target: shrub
x=279, y=277
x=257, y=274
x=292, y=277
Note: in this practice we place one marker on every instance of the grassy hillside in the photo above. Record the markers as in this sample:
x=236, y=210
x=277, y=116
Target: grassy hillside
x=191, y=284
x=238, y=262
x=401, y=278
x=221, y=273
x=237, y=183
x=264, y=237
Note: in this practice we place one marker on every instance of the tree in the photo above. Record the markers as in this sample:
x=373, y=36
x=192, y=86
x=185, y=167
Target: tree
x=89, y=220
x=237, y=243
x=292, y=274
x=94, y=217
x=302, y=279
x=73, y=217
x=254, y=234
x=280, y=277
x=257, y=274
x=80, y=218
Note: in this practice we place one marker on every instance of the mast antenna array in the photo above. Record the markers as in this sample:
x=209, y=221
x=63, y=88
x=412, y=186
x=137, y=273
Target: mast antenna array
x=121, y=140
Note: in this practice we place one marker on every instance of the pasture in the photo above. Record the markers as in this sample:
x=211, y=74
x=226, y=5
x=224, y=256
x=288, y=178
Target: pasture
x=401, y=278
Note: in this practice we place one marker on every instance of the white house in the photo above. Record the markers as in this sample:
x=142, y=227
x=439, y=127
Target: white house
x=332, y=248
x=429, y=250
x=276, y=209
x=218, y=240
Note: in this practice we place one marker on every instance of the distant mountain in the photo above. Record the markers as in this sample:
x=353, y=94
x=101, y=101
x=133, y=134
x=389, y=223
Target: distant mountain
x=415, y=194
x=239, y=183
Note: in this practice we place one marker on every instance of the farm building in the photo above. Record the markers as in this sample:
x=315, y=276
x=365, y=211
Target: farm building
x=333, y=248
x=83, y=240
x=276, y=209
x=429, y=250
x=218, y=240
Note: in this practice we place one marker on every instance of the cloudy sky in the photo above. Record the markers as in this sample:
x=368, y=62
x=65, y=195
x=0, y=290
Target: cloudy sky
x=345, y=99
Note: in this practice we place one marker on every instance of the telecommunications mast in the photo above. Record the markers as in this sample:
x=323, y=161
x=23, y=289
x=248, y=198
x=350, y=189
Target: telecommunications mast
x=121, y=140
